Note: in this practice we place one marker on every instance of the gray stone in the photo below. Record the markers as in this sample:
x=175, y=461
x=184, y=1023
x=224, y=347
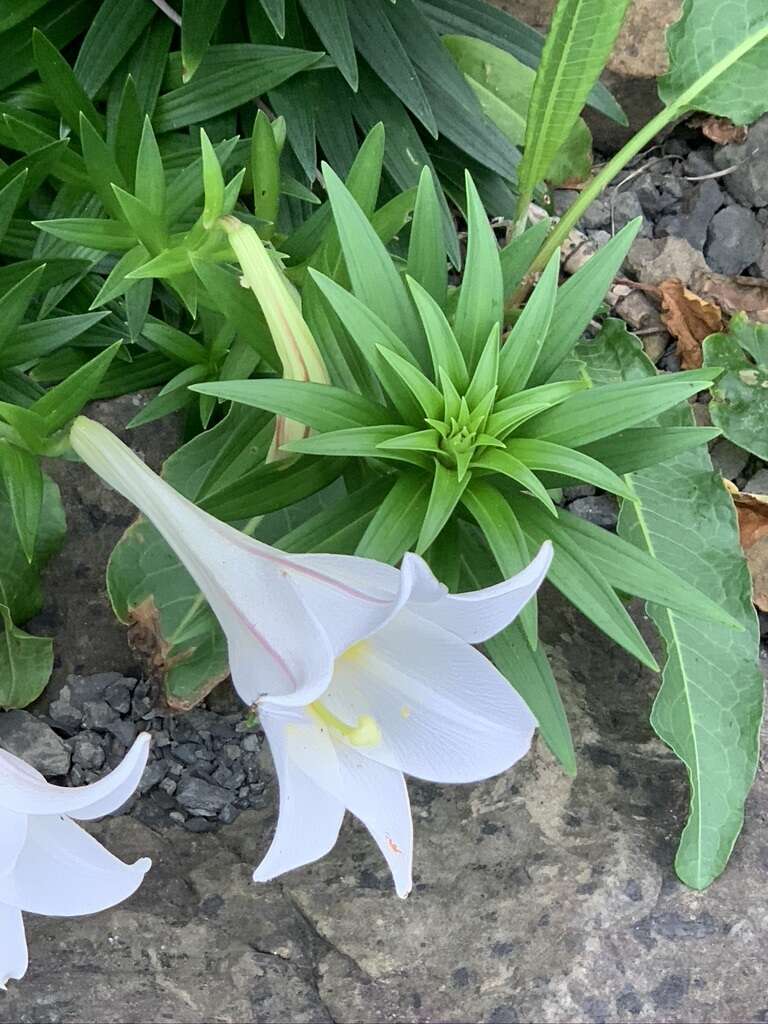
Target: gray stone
x=251, y=743
x=728, y=459
x=563, y=199
x=87, y=750
x=118, y=696
x=758, y=484
x=35, y=742
x=734, y=240
x=122, y=730
x=748, y=183
x=202, y=798
x=626, y=207
x=697, y=210
x=653, y=260
x=65, y=715
x=597, y=215
x=579, y=491
x=600, y=509
x=97, y=714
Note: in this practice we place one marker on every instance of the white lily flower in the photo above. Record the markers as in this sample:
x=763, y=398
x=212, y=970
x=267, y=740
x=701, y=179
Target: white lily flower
x=281, y=305
x=48, y=864
x=361, y=671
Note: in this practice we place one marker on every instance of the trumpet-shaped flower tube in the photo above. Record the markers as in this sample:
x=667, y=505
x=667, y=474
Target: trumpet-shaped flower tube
x=362, y=672
x=48, y=864
x=296, y=347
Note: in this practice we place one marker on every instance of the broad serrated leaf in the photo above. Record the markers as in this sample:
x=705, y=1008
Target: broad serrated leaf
x=739, y=405
x=709, y=708
x=730, y=37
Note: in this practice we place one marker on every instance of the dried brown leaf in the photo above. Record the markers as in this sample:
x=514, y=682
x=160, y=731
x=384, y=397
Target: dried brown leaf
x=752, y=511
x=722, y=130
x=689, y=319
x=734, y=294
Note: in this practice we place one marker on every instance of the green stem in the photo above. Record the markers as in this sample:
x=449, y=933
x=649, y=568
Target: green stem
x=685, y=101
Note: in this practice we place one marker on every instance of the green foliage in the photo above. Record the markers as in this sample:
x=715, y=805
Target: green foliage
x=464, y=426
x=739, y=405
x=731, y=38
x=709, y=707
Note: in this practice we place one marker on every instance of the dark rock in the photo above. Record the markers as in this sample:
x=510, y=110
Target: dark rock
x=154, y=773
x=600, y=509
x=90, y=688
x=199, y=825
x=758, y=484
x=728, y=459
x=87, y=750
x=118, y=696
x=698, y=163
x=626, y=207
x=251, y=743
x=201, y=798
x=597, y=215
x=122, y=730
x=653, y=260
x=748, y=182
x=563, y=199
x=34, y=742
x=697, y=210
x=734, y=240
x=65, y=715
x=97, y=714
x=579, y=491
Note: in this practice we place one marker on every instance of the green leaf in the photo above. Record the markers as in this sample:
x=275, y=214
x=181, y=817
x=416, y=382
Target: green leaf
x=265, y=173
x=709, y=707
x=330, y=20
x=579, y=298
x=423, y=390
x=63, y=402
x=628, y=568
x=380, y=45
x=26, y=663
x=630, y=450
x=496, y=461
x=739, y=405
x=108, y=235
x=23, y=481
x=590, y=415
x=359, y=442
x=19, y=579
x=339, y=528
x=15, y=302
x=150, y=176
x=499, y=525
x=709, y=34
x=518, y=255
x=37, y=339
x=10, y=195
x=174, y=343
x=398, y=518
x=375, y=281
x=554, y=458
x=275, y=11
x=213, y=182
x=270, y=487
x=226, y=80
x=427, y=263
x=580, y=39
x=103, y=170
x=239, y=305
x=62, y=85
x=114, y=29
x=198, y=21
x=480, y=19
x=443, y=347
x=480, y=304
x=524, y=342
x=447, y=489
x=319, y=406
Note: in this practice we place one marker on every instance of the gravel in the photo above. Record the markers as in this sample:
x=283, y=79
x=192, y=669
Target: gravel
x=204, y=765
x=600, y=509
x=734, y=240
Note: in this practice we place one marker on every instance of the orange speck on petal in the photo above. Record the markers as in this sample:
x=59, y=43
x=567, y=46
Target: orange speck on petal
x=392, y=845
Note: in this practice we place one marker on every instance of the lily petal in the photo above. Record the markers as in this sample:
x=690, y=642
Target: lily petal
x=246, y=583
x=13, y=834
x=479, y=614
x=443, y=711
x=378, y=796
x=13, y=946
x=25, y=791
x=64, y=872
x=310, y=815
x=351, y=597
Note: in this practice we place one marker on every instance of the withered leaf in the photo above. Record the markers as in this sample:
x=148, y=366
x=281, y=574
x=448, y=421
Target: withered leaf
x=689, y=319
x=752, y=511
x=734, y=294
x=722, y=130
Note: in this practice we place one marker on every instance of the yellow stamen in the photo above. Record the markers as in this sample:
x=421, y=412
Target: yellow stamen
x=356, y=651
x=365, y=732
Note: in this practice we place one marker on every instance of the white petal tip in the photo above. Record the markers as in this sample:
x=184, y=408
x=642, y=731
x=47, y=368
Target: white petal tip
x=142, y=865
